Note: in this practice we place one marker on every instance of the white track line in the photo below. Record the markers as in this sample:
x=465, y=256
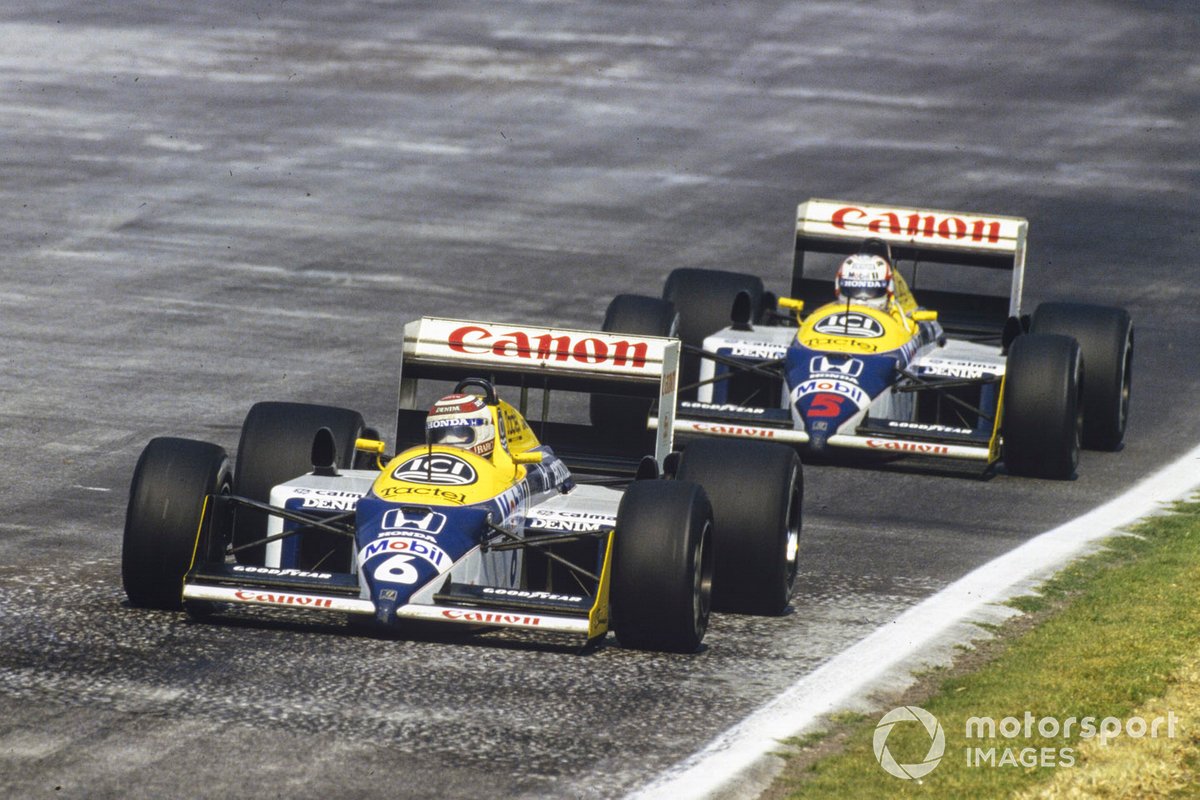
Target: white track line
x=731, y=758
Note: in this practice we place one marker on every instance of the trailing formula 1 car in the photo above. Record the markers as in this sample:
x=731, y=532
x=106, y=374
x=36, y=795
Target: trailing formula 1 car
x=959, y=376
x=478, y=524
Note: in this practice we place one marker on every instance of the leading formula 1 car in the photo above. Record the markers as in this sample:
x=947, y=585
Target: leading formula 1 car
x=962, y=376
x=582, y=538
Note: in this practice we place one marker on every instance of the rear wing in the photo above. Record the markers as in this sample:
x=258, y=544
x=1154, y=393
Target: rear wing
x=918, y=235
x=546, y=359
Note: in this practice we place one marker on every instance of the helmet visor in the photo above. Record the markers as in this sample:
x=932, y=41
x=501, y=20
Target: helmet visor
x=459, y=435
x=859, y=289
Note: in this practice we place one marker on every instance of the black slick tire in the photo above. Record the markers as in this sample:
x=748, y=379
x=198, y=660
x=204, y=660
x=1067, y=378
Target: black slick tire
x=756, y=490
x=704, y=299
x=276, y=446
x=162, y=521
x=662, y=567
x=1105, y=336
x=1042, y=412
x=641, y=316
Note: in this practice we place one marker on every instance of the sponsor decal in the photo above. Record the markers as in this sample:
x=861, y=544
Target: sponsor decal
x=753, y=350
x=329, y=499
x=454, y=422
x=849, y=323
x=249, y=569
x=478, y=340
x=525, y=594
x=840, y=366
x=406, y=546
x=907, y=447
x=572, y=521
x=458, y=404
x=957, y=369
x=818, y=342
x=389, y=492
x=423, y=520
x=330, y=503
x=927, y=427
x=831, y=386
x=923, y=225
x=440, y=468
x=272, y=598
x=722, y=407
x=732, y=430
x=490, y=618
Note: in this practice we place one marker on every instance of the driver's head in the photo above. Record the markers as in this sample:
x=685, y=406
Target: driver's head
x=865, y=280
x=461, y=420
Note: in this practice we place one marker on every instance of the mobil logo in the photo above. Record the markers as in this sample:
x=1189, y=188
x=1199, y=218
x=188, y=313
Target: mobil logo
x=440, y=468
x=406, y=548
x=830, y=386
x=413, y=518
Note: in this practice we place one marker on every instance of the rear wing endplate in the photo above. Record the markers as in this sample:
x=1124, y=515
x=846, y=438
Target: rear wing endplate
x=530, y=357
x=918, y=235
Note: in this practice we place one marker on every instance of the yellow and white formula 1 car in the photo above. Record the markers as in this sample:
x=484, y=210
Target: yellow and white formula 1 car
x=478, y=523
x=856, y=362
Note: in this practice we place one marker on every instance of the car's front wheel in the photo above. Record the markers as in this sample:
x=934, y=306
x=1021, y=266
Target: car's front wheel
x=756, y=490
x=662, y=567
x=171, y=481
x=1043, y=417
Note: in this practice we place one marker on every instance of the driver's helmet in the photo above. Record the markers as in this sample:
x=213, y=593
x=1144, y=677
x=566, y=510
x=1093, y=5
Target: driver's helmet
x=462, y=420
x=866, y=280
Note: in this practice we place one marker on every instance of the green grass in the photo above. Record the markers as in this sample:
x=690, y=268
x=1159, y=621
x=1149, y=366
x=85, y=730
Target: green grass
x=1114, y=631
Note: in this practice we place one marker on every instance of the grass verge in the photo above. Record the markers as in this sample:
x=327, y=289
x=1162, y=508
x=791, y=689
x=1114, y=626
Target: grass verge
x=1111, y=644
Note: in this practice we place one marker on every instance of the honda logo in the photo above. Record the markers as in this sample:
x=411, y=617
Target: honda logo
x=407, y=518
x=836, y=365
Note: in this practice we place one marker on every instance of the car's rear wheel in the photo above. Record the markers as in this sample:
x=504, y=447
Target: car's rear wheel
x=662, y=567
x=1105, y=336
x=163, y=519
x=642, y=316
x=276, y=446
x=704, y=300
x=1042, y=406
x=756, y=490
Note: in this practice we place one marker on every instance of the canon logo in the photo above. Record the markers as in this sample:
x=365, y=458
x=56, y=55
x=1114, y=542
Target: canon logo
x=908, y=447
x=733, y=430
x=477, y=340
x=924, y=225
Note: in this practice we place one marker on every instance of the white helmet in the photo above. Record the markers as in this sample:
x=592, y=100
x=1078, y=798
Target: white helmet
x=866, y=280
x=462, y=420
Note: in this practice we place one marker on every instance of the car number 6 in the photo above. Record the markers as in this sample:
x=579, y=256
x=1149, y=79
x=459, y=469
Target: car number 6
x=397, y=569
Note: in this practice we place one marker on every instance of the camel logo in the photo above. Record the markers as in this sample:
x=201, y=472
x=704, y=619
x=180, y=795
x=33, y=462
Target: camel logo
x=937, y=742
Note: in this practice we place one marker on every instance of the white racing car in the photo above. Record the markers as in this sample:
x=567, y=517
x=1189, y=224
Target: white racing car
x=478, y=523
x=856, y=362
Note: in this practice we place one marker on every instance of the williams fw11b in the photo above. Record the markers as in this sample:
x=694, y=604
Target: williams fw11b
x=479, y=524
x=856, y=363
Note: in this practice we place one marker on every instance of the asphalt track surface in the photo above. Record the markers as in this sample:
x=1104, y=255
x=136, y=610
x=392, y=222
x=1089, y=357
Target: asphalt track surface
x=220, y=203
